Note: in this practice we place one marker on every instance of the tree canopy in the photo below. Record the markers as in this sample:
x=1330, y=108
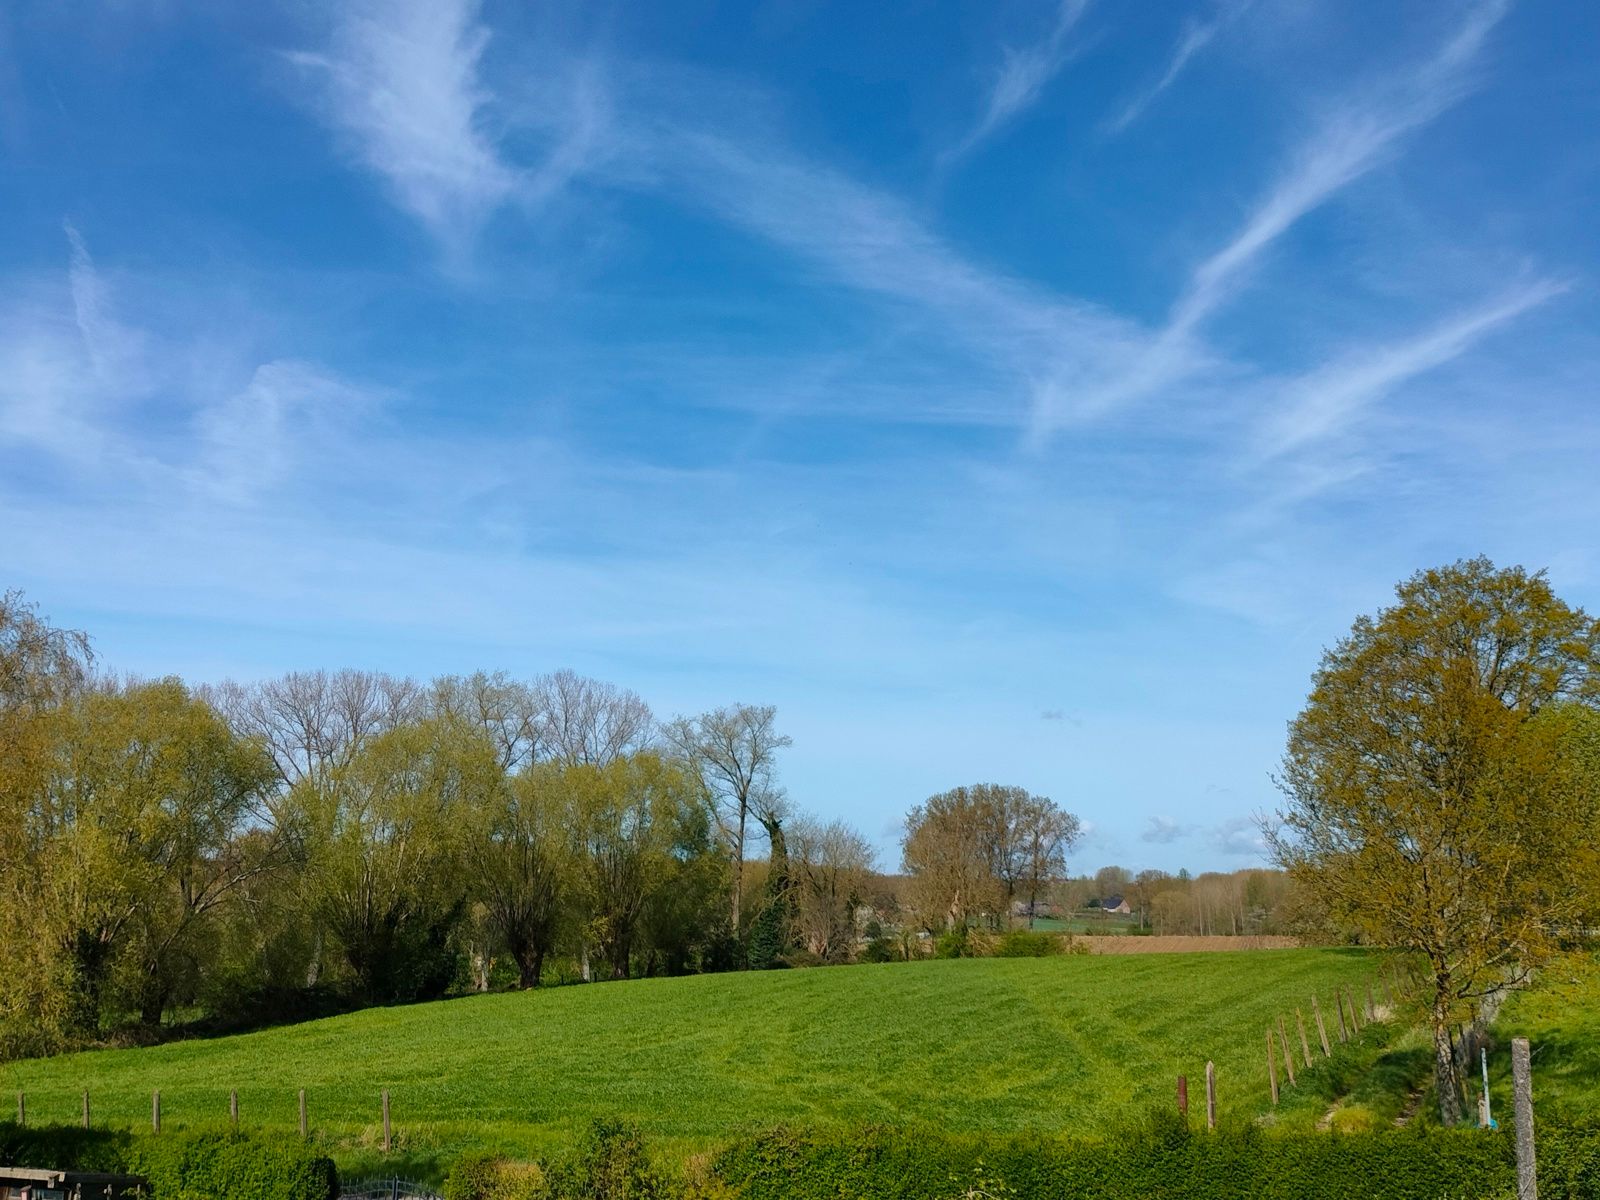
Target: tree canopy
x=1440, y=784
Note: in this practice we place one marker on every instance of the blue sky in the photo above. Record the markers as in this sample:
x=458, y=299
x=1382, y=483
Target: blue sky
x=1022, y=391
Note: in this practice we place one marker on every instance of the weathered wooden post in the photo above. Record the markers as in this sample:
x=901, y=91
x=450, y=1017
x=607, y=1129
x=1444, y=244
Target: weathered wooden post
x=1338, y=1007
x=1211, y=1094
x=1322, y=1029
x=1272, y=1070
x=1305, y=1045
x=1355, y=1017
x=305, y=1128
x=386, y=1112
x=155, y=1111
x=86, y=1108
x=233, y=1107
x=1372, y=1009
x=1522, y=1107
x=22, y=1109
x=1288, y=1054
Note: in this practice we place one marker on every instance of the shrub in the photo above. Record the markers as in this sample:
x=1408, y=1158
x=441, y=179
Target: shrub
x=229, y=1165
x=880, y=950
x=473, y=1176
x=482, y=1176
x=215, y=1165
x=611, y=1163
x=1161, y=1157
x=1026, y=943
x=956, y=943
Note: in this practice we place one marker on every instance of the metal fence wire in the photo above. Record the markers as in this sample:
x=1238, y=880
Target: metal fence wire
x=386, y=1189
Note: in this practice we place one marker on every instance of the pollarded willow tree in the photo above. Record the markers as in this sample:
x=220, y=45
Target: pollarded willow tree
x=1442, y=796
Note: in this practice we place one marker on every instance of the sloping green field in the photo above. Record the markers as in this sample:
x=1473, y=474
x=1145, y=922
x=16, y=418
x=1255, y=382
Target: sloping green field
x=1071, y=1043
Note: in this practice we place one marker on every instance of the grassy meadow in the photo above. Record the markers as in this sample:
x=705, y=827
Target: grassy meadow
x=1076, y=1043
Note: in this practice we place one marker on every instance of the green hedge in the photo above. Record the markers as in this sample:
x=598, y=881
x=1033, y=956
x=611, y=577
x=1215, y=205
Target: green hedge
x=213, y=1165
x=1158, y=1162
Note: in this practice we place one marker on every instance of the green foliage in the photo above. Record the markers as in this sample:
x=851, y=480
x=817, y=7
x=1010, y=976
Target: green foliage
x=1438, y=776
x=956, y=943
x=880, y=950
x=216, y=1165
x=1154, y=1158
x=1022, y=943
x=480, y=1175
x=1017, y=1045
x=610, y=1163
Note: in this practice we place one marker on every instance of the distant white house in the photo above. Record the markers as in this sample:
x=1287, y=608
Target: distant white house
x=1115, y=904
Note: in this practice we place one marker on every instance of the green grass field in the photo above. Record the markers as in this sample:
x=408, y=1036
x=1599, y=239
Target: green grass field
x=1560, y=1016
x=1076, y=1043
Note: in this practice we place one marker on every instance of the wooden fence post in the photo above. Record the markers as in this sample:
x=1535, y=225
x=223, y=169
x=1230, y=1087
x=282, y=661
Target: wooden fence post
x=1288, y=1054
x=1522, y=1102
x=1272, y=1071
x=22, y=1109
x=1372, y=1009
x=1211, y=1094
x=1355, y=1017
x=1322, y=1029
x=233, y=1107
x=155, y=1111
x=305, y=1129
x=1338, y=1007
x=386, y=1113
x=1305, y=1046
x=86, y=1108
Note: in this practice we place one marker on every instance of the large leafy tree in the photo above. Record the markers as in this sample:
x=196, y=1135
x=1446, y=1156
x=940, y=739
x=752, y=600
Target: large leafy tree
x=134, y=842
x=385, y=871
x=972, y=850
x=1439, y=782
x=520, y=851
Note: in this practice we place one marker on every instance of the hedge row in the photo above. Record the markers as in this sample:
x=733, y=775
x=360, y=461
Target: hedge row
x=213, y=1165
x=1158, y=1162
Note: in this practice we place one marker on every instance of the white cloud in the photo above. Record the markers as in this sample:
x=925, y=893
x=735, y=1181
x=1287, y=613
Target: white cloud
x=1323, y=403
x=401, y=83
x=1239, y=837
x=1359, y=133
x=1163, y=831
x=1196, y=36
x=1022, y=77
x=288, y=412
x=1355, y=138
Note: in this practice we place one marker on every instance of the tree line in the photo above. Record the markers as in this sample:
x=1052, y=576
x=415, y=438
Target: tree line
x=266, y=851
x=326, y=839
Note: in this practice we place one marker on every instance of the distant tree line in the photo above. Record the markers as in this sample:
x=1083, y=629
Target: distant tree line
x=261, y=851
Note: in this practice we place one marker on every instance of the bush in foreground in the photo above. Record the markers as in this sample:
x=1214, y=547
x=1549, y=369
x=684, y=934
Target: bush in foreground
x=215, y=1165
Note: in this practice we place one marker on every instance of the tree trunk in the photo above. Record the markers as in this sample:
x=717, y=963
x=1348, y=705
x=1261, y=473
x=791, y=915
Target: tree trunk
x=1446, y=1082
x=738, y=867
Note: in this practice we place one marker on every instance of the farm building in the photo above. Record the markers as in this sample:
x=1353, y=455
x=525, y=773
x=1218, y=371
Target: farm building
x=26, y=1183
x=1115, y=904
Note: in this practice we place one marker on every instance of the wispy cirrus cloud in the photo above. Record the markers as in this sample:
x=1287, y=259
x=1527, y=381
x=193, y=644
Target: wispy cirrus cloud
x=1321, y=404
x=874, y=243
x=400, y=82
x=1357, y=136
x=1023, y=76
x=1359, y=133
x=1196, y=36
